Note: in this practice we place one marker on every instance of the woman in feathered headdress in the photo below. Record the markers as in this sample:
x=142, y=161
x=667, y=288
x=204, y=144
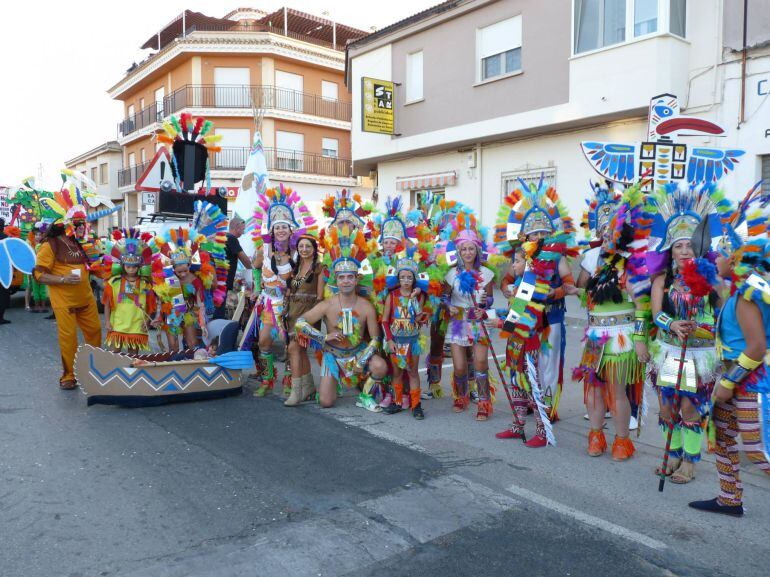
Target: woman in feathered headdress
x=742, y=397
x=64, y=261
x=129, y=299
x=279, y=220
x=617, y=297
x=679, y=214
x=468, y=294
x=190, y=273
x=352, y=332
x=533, y=216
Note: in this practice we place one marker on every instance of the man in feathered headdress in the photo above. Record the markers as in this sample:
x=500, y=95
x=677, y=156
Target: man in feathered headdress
x=351, y=341
x=742, y=397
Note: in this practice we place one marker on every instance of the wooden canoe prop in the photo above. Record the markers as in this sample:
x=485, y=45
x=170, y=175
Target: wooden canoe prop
x=115, y=379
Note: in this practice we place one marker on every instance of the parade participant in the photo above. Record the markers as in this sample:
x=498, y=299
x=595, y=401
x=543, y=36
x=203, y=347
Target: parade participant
x=235, y=254
x=189, y=273
x=344, y=207
x=279, y=219
x=129, y=299
x=743, y=334
x=677, y=216
x=37, y=290
x=617, y=291
x=351, y=341
x=467, y=294
x=531, y=213
x=403, y=315
x=306, y=290
x=63, y=265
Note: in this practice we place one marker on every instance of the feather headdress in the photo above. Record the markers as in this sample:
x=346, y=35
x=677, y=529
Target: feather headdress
x=679, y=211
x=392, y=223
x=128, y=247
x=601, y=206
x=463, y=228
x=282, y=205
x=529, y=209
x=344, y=206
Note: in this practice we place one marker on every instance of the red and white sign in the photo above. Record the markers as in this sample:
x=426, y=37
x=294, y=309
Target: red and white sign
x=158, y=171
x=232, y=192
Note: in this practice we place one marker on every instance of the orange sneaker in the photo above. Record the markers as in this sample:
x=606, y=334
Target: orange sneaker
x=597, y=444
x=622, y=449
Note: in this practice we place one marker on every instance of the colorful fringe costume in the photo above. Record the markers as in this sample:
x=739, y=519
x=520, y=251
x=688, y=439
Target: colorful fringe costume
x=535, y=325
x=678, y=213
x=277, y=206
x=131, y=303
x=746, y=245
x=524, y=212
x=619, y=281
x=466, y=291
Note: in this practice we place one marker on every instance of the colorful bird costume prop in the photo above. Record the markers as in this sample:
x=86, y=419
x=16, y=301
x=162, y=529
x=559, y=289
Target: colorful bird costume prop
x=201, y=247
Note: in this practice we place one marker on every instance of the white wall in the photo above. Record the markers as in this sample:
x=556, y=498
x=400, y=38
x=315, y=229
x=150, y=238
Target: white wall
x=374, y=64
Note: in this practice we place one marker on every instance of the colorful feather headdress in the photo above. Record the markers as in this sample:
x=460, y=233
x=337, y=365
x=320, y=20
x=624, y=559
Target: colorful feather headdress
x=344, y=206
x=69, y=203
x=346, y=249
x=392, y=223
x=601, y=206
x=129, y=247
x=179, y=133
x=463, y=228
x=529, y=209
x=679, y=211
x=282, y=205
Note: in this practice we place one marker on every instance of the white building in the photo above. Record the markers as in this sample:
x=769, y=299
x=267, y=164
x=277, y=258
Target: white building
x=488, y=91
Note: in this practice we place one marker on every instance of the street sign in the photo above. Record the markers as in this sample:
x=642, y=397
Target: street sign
x=148, y=198
x=158, y=171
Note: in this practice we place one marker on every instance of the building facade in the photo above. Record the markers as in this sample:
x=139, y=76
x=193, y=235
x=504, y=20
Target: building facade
x=490, y=91
x=287, y=66
x=103, y=165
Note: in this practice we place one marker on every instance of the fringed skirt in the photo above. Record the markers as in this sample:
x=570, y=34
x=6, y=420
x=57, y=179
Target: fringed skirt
x=120, y=340
x=700, y=372
x=464, y=332
x=408, y=349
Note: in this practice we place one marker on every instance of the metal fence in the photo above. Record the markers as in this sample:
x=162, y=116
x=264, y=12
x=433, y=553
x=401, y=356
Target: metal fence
x=131, y=174
x=286, y=161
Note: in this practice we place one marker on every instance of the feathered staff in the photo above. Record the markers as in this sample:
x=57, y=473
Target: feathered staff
x=699, y=276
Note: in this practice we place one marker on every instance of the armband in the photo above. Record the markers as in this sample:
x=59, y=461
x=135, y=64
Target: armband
x=306, y=329
x=663, y=321
x=741, y=369
x=558, y=294
x=366, y=354
x=641, y=325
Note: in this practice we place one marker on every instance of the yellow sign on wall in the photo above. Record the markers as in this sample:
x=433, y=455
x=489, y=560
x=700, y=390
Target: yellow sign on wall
x=376, y=106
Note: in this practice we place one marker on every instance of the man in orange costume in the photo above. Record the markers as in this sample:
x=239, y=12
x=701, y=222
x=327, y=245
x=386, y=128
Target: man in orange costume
x=62, y=265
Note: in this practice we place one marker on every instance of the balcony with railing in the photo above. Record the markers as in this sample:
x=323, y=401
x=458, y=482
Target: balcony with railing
x=240, y=97
x=277, y=160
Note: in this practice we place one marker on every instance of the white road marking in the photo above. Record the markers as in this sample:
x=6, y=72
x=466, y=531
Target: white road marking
x=372, y=429
x=587, y=519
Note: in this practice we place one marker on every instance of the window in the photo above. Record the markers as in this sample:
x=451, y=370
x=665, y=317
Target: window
x=417, y=197
x=599, y=23
x=645, y=17
x=330, y=147
x=232, y=87
x=512, y=180
x=677, y=17
x=131, y=159
x=290, y=148
x=235, y=144
x=141, y=104
x=142, y=155
x=104, y=175
x=130, y=111
x=414, y=77
x=93, y=173
x=159, y=94
x=328, y=90
x=288, y=89
x=766, y=173
x=499, y=48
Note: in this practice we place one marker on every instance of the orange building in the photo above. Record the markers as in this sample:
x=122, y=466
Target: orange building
x=288, y=65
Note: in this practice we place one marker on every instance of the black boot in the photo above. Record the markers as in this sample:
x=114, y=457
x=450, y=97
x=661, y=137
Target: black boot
x=417, y=412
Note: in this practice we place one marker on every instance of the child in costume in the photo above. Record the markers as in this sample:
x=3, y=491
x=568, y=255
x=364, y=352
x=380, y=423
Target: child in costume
x=742, y=397
x=129, y=299
x=403, y=315
x=617, y=290
x=678, y=215
x=190, y=273
x=532, y=213
x=38, y=292
x=352, y=333
x=279, y=220
x=467, y=294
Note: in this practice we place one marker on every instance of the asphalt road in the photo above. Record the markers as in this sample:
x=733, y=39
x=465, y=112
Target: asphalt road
x=244, y=486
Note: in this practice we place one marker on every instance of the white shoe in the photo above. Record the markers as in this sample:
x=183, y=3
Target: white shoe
x=633, y=424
